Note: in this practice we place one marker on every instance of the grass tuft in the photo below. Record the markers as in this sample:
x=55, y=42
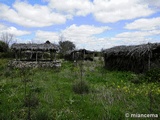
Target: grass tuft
x=81, y=87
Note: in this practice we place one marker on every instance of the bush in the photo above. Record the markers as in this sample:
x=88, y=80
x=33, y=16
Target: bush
x=81, y=87
x=153, y=75
x=8, y=54
x=3, y=46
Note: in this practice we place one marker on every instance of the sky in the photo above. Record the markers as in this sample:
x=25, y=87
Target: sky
x=89, y=24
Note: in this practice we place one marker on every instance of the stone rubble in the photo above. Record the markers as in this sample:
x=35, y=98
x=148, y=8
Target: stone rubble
x=34, y=64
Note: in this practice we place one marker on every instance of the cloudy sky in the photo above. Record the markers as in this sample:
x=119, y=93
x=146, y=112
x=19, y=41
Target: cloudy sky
x=90, y=24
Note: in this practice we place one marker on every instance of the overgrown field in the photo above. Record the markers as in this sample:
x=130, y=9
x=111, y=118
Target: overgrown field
x=84, y=91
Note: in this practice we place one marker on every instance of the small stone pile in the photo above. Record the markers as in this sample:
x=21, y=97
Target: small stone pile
x=34, y=64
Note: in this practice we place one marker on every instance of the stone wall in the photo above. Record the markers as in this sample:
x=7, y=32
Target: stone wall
x=34, y=64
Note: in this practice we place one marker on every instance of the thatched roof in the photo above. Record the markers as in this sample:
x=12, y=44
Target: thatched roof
x=42, y=47
x=137, y=51
x=77, y=54
x=81, y=51
x=134, y=58
x=70, y=52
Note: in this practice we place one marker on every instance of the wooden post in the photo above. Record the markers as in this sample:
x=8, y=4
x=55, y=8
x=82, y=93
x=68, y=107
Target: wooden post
x=31, y=54
x=83, y=54
x=93, y=55
x=55, y=56
x=36, y=56
x=51, y=56
x=149, y=57
x=19, y=54
x=72, y=57
x=43, y=55
x=16, y=54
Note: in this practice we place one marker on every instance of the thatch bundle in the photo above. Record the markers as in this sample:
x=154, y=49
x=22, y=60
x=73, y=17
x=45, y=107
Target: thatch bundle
x=138, y=58
x=35, y=47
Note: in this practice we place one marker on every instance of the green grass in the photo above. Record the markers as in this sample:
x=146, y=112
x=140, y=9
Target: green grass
x=111, y=93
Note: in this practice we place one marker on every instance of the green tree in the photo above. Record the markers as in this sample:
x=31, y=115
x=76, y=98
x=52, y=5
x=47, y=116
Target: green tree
x=7, y=38
x=3, y=46
x=65, y=45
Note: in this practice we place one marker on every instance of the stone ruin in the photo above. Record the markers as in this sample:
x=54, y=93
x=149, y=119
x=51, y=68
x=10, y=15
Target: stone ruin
x=34, y=64
x=35, y=55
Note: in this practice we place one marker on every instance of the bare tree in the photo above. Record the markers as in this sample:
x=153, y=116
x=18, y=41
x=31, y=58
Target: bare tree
x=7, y=38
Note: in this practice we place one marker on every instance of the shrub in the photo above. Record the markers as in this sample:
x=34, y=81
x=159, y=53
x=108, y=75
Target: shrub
x=153, y=75
x=81, y=87
x=3, y=46
x=8, y=54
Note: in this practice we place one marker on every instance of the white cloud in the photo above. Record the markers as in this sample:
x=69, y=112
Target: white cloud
x=16, y=32
x=130, y=40
x=27, y=15
x=145, y=30
x=83, y=35
x=2, y=27
x=114, y=10
x=103, y=10
x=73, y=7
x=83, y=31
x=43, y=36
x=138, y=34
x=155, y=3
x=12, y=30
x=134, y=38
x=144, y=24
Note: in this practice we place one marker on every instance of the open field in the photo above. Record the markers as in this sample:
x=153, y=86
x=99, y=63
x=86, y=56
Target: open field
x=48, y=94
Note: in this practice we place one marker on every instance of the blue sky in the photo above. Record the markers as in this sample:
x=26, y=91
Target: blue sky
x=90, y=24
